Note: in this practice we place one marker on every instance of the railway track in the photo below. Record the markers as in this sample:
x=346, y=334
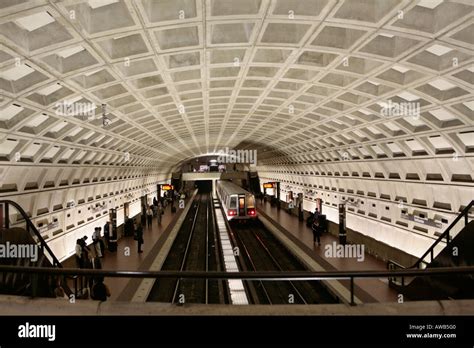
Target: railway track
x=194, y=249
x=261, y=251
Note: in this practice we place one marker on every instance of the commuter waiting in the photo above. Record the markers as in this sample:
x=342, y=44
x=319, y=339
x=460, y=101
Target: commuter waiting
x=78, y=254
x=159, y=212
x=106, y=235
x=139, y=237
x=97, y=243
x=149, y=216
x=317, y=231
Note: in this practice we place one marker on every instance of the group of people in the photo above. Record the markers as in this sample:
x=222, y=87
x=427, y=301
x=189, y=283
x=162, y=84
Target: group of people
x=89, y=257
x=154, y=210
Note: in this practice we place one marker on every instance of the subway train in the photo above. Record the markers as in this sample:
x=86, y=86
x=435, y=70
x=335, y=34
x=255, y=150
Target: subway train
x=238, y=204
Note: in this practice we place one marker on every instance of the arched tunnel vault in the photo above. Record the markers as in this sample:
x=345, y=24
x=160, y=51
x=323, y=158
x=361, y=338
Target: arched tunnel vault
x=367, y=100
x=259, y=150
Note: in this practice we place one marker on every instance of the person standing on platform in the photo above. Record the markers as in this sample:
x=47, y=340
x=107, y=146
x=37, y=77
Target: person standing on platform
x=159, y=213
x=78, y=254
x=149, y=216
x=139, y=238
x=96, y=242
x=106, y=235
x=84, y=250
x=316, y=231
x=88, y=264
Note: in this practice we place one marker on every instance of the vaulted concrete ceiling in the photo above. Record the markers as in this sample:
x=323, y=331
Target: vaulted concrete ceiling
x=302, y=81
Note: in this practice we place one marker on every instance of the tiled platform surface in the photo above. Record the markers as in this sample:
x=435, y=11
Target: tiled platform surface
x=119, y=261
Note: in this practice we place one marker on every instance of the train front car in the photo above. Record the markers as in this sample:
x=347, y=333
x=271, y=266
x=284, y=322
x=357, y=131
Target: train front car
x=238, y=204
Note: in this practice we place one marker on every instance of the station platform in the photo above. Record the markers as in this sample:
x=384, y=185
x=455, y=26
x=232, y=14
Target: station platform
x=368, y=290
x=153, y=239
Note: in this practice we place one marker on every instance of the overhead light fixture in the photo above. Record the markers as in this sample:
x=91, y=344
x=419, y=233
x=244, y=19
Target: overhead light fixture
x=35, y=21
x=439, y=50
x=400, y=69
x=100, y=3
x=441, y=84
x=50, y=89
x=16, y=72
x=408, y=96
x=70, y=51
x=431, y=4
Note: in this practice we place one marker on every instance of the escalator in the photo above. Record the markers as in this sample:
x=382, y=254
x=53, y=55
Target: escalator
x=458, y=252
x=21, y=244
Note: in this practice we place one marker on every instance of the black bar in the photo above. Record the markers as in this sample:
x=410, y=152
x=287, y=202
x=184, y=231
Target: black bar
x=241, y=331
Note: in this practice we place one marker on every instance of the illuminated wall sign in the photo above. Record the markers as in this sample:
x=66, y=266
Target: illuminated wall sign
x=166, y=187
x=48, y=227
x=424, y=221
x=268, y=185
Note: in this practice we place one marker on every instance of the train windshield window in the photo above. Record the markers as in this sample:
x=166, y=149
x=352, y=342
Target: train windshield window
x=233, y=202
x=250, y=202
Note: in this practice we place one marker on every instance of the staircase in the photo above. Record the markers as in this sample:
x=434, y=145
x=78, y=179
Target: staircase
x=458, y=251
x=18, y=232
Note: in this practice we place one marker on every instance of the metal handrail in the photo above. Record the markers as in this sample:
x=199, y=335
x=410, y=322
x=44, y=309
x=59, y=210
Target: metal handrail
x=31, y=227
x=445, y=234
x=264, y=275
x=268, y=276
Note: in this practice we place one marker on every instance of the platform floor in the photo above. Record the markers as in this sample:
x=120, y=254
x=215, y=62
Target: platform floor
x=369, y=290
x=118, y=261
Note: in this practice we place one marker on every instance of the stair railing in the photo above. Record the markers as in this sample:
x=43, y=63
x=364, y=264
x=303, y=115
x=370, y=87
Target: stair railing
x=392, y=265
x=445, y=235
x=31, y=229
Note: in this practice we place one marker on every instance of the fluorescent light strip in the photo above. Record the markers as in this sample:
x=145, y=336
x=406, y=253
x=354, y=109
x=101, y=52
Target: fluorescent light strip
x=236, y=286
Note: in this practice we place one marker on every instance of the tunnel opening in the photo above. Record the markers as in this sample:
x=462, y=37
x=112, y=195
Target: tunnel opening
x=203, y=186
